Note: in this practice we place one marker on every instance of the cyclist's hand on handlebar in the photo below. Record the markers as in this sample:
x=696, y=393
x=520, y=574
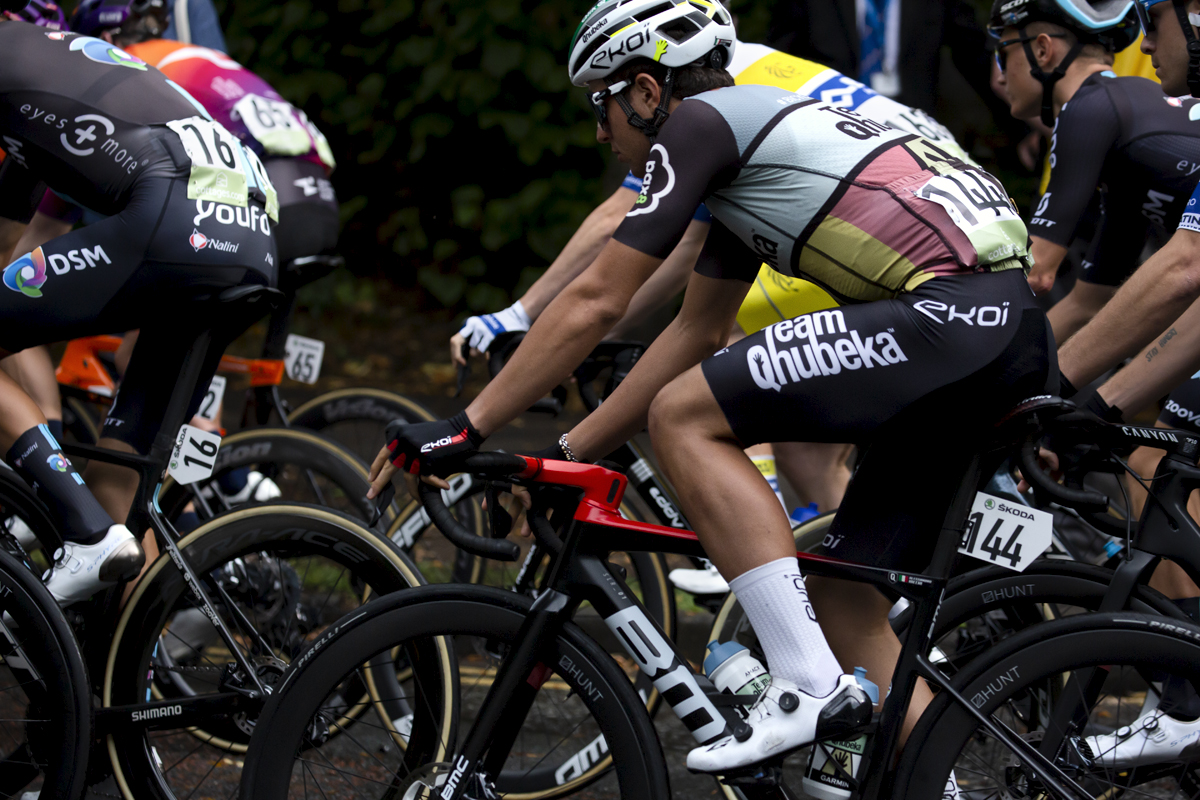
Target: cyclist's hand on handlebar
x=459, y=350
x=1047, y=458
x=478, y=332
x=431, y=447
x=382, y=471
x=517, y=504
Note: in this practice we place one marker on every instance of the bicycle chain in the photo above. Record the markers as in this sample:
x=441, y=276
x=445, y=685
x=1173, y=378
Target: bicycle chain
x=182, y=669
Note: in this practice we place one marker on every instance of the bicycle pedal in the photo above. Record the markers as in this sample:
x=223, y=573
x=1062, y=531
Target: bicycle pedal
x=768, y=774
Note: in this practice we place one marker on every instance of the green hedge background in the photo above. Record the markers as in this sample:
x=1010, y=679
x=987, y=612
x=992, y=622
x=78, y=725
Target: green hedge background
x=465, y=157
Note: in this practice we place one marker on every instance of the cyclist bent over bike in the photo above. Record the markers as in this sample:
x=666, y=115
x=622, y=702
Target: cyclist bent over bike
x=101, y=127
x=938, y=333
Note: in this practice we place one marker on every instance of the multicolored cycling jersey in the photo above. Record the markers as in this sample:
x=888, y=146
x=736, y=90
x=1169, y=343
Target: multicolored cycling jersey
x=1141, y=148
x=89, y=120
x=238, y=99
x=820, y=192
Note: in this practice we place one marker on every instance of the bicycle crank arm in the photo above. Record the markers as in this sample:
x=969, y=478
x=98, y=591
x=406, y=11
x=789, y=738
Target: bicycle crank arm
x=173, y=714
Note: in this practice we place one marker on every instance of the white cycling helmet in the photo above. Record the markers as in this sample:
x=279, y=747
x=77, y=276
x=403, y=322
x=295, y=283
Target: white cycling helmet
x=674, y=34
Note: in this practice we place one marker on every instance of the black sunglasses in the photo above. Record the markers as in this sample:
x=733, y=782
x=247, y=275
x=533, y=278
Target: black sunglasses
x=599, y=107
x=1002, y=57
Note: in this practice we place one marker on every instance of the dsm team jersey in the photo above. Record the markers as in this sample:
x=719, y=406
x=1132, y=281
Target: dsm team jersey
x=1141, y=148
x=819, y=192
x=77, y=113
x=240, y=100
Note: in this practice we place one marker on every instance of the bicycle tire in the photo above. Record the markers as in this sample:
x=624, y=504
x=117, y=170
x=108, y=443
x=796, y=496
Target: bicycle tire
x=355, y=418
x=55, y=744
x=456, y=610
x=136, y=670
x=1022, y=669
x=647, y=577
x=292, y=458
x=17, y=499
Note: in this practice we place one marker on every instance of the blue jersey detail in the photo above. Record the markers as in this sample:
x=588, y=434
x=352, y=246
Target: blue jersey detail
x=1190, y=220
x=843, y=92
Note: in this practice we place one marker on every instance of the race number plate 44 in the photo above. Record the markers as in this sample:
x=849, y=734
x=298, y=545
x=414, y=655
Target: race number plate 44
x=194, y=455
x=1002, y=532
x=303, y=359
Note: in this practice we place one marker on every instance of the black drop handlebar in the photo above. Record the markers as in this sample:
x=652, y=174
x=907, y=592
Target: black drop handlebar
x=491, y=466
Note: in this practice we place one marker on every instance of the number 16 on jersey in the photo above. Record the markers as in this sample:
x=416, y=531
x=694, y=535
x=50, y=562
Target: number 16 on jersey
x=1005, y=532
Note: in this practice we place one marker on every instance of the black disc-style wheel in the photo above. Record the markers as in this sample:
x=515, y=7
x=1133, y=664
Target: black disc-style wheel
x=355, y=418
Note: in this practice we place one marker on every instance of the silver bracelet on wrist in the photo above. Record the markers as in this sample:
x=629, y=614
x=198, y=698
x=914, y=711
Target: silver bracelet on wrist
x=566, y=448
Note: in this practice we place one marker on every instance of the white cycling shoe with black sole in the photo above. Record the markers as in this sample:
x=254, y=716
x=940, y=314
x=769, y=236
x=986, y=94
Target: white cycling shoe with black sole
x=782, y=719
x=81, y=570
x=1154, y=738
x=258, y=488
x=699, y=581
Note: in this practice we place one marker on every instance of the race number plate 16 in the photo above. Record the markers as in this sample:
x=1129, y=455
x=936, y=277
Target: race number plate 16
x=1003, y=532
x=303, y=359
x=194, y=455
x=217, y=171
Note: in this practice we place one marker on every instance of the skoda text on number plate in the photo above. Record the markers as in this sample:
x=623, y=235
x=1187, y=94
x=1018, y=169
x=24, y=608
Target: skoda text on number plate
x=194, y=455
x=210, y=406
x=303, y=359
x=1002, y=532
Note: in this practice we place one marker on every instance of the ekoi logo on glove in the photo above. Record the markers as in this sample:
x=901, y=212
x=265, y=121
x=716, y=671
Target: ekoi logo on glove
x=429, y=447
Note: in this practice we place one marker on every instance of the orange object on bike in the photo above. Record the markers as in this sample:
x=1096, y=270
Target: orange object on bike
x=82, y=368
x=262, y=371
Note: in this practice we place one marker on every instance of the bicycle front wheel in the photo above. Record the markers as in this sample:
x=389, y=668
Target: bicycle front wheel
x=355, y=418
x=584, y=707
x=1079, y=681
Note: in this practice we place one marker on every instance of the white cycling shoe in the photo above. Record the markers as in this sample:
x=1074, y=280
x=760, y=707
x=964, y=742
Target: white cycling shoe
x=782, y=719
x=259, y=489
x=81, y=570
x=1154, y=738
x=699, y=581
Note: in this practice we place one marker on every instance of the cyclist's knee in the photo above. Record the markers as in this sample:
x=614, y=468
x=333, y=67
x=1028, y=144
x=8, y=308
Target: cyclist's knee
x=685, y=402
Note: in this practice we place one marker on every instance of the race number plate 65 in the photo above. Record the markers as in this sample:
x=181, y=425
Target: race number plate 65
x=303, y=359
x=194, y=455
x=1002, y=532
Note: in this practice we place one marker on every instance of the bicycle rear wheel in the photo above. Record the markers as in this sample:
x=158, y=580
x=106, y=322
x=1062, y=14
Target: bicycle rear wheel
x=290, y=572
x=355, y=418
x=585, y=706
x=1031, y=683
x=45, y=699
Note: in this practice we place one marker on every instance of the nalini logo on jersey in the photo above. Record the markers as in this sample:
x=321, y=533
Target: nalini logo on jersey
x=773, y=367
x=102, y=52
x=27, y=274
x=199, y=242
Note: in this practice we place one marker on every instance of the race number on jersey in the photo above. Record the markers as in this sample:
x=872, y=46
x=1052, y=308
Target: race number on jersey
x=274, y=123
x=217, y=172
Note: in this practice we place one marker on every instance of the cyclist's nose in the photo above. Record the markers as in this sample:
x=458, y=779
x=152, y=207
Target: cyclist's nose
x=602, y=135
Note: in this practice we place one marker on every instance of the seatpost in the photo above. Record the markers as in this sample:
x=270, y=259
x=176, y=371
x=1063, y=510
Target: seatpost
x=267, y=398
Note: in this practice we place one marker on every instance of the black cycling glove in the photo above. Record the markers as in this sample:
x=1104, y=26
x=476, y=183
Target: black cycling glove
x=432, y=447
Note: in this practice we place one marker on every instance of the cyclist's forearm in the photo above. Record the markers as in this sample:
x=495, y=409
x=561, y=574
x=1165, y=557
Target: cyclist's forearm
x=572, y=325
x=1164, y=364
x=582, y=249
x=666, y=282
x=701, y=328
x=1157, y=294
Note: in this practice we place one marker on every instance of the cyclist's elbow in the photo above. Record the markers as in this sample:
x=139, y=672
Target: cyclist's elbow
x=1180, y=277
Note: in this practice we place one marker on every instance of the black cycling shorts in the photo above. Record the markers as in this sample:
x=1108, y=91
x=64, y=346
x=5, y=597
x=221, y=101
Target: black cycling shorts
x=1183, y=406
x=137, y=269
x=916, y=381
x=308, y=213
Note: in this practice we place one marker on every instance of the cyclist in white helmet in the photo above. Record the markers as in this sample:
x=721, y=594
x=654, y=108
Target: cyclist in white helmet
x=895, y=228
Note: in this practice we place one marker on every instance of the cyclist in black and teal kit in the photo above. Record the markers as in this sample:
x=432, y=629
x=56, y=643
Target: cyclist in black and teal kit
x=100, y=127
x=1118, y=136
x=937, y=326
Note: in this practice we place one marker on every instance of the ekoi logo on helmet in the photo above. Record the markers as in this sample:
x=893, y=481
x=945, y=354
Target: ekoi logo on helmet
x=27, y=274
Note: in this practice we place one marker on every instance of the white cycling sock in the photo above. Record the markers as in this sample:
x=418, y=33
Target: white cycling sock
x=777, y=605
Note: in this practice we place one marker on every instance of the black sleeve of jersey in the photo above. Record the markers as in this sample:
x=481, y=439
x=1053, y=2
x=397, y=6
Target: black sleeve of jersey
x=1087, y=128
x=695, y=154
x=20, y=191
x=726, y=256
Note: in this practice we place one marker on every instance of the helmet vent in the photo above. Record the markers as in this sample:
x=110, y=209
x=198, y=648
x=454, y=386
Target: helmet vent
x=680, y=30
